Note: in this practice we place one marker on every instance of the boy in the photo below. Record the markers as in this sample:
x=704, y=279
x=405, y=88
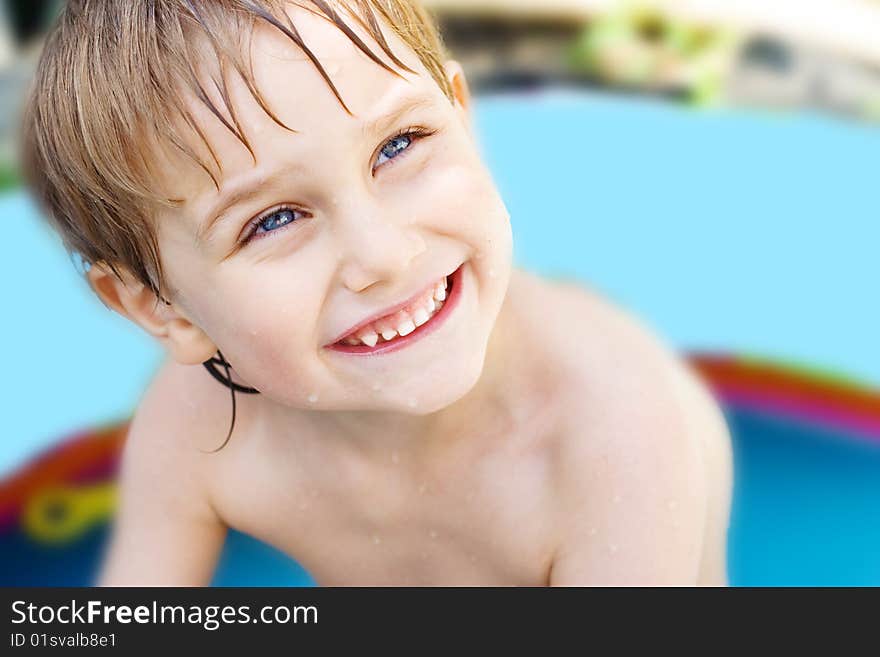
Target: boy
x=292, y=190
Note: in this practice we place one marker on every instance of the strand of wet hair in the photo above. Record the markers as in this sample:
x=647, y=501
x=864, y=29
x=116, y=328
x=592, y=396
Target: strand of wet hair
x=233, y=387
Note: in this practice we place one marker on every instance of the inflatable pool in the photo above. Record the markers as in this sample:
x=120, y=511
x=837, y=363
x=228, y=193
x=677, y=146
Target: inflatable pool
x=730, y=232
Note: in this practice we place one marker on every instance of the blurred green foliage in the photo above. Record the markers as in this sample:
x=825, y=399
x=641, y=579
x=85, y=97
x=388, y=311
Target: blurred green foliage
x=9, y=178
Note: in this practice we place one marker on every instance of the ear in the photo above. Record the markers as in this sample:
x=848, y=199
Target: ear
x=183, y=340
x=460, y=89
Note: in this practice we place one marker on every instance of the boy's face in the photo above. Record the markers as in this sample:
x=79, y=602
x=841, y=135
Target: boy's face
x=341, y=232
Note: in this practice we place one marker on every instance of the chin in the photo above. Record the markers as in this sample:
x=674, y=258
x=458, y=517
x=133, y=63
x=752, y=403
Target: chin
x=431, y=394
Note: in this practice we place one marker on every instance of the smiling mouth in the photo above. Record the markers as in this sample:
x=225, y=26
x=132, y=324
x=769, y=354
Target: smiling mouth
x=419, y=317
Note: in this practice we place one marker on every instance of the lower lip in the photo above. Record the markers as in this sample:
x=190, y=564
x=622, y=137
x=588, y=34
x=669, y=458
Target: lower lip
x=453, y=295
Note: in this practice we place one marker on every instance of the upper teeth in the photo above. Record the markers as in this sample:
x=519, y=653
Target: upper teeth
x=404, y=322
x=369, y=338
x=421, y=316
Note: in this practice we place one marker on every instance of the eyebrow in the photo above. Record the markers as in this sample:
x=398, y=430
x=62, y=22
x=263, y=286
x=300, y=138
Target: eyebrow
x=246, y=187
x=386, y=120
x=243, y=189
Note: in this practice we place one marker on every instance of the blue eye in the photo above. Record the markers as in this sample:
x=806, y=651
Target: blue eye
x=394, y=148
x=274, y=221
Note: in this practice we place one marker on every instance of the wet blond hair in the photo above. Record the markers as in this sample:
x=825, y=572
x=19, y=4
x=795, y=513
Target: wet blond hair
x=112, y=79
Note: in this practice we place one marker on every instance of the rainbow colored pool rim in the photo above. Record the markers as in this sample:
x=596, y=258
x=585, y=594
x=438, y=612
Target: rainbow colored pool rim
x=55, y=511
x=794, y=391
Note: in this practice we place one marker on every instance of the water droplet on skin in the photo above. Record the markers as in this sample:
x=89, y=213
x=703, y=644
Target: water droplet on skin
x=377, y=387
x=422, y=488
x=492, y=273
x=395, y=458
x=376, y=540
x=612, y=548
x=432, y=534
x=313, y=398
x=616, y=499
x=672, y=505
x=412, y=403
x=593, y=531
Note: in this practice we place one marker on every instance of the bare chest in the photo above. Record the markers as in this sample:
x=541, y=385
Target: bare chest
x=489, y=521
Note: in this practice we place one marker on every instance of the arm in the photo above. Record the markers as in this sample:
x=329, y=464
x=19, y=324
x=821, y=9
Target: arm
x=658, y=513
x=166, y=531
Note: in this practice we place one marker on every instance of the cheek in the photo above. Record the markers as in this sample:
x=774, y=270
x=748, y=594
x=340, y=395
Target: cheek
x=468, y=207
x=266, y=324
x=461, y=200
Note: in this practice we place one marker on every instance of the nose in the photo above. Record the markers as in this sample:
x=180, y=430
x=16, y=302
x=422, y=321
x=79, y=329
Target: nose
x=375, y=249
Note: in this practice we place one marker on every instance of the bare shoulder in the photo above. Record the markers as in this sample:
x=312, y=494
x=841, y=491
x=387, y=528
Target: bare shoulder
x=613, y=369
x=166, y=530
x=636, y=420
x=181, y=409
x=181, y=417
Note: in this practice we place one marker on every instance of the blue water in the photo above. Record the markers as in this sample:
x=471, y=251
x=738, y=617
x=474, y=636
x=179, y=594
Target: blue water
x=807, y=506
x=732, y=231
x=727, y=231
